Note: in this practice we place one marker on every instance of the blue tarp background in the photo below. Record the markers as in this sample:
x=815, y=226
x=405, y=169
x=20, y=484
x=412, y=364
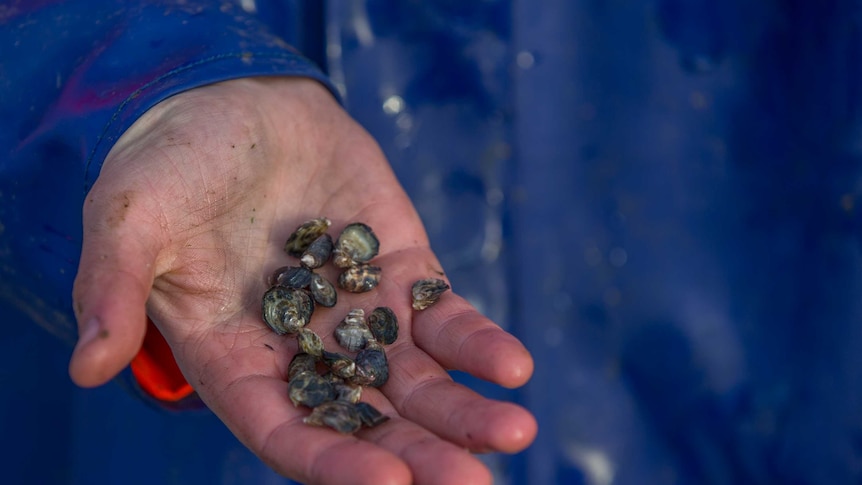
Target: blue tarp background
x=659, y=197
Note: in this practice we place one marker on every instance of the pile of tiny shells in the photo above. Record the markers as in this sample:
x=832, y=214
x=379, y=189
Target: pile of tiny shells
x=334, y=395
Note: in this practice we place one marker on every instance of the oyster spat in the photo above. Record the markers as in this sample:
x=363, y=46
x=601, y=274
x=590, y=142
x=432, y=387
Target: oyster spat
x=345, y=417
x=339, y=364
x=331, y=383
x=309, y=342
x=356, y=244
x=344, y=390
x=317, y=253
x=369, y=415
x=372, y=366
x=342, y=416
x=286, y=310
x=305, y=234
x=426, y=292
x=291, y=277
x=352, y=333
x=310, y=389
x=360, y=278
x=383, y=324
x=323, y=291
x=300, y=363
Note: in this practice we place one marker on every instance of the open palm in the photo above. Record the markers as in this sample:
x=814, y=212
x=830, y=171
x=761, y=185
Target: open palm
x=188, y=219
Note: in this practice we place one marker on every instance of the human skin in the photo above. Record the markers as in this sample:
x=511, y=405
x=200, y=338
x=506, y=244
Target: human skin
x=187, y=219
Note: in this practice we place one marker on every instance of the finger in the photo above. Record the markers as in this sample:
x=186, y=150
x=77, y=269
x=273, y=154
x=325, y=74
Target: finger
x=452, y=331
x=111, y=288
x=424, y=393
x=459, y=337
x=257, y=410
x=432, y=460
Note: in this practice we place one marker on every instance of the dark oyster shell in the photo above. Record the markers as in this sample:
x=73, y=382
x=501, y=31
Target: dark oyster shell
x=426, y=292
x=383, y=325
x=357, y=243
x=309, y=342
x=344, y=391
x=323, y=291
x=305, y=234
x=339, y=364
x=291, y=277
x=300, y=363
x=360, y=278
x=286, y=310
x=317, y=253
x=310, y=389
x=372, y=367
x=341, y=416
x=369, y=415
x=352, y=333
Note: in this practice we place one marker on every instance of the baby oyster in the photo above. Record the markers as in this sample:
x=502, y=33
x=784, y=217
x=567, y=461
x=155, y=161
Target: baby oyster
x=357, y=243
x=342, y=416
x=318, y=252
x=310, y=389
x=300, y=363
x=309, y=342
x=323, y=291
x=352, y=333
x=286, y=310
x=369, y=415
x=360, y=278
x=291, y=277
x=372, y=368
x=339, y=364
x=305, y=234
x=383, y=324
x=426, y=292
x=344, y=391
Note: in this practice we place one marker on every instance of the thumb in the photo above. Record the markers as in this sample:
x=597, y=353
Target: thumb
x=114, y=278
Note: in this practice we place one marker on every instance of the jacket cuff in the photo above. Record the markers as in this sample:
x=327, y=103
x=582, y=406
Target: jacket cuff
x=109, y=62
x=194, y=73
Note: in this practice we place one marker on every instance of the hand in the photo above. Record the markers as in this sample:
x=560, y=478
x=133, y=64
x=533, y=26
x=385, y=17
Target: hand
x=187, y=220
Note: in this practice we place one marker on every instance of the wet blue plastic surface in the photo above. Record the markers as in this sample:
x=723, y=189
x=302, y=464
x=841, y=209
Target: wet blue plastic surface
x=658, y=197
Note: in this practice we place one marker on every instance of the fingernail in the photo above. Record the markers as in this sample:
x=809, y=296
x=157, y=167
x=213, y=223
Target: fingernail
x=91, y=331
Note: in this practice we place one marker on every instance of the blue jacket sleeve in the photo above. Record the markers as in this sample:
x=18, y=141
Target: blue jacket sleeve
x=74, y=75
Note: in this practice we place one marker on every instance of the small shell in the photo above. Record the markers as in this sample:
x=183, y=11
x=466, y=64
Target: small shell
x=323, y=291
x=357, y=243
x=317, y=253
x=383, y=325
x=372, y=368
x=341, y=416
x=309, y=342
x=291, y=277
x=345, y=391
x=300, y=363
x=360, y=278
x=339, y=364
x=426, y=292
x=286, y=310
x=305, y=234
x=310, y=389
x=352, y=333
x=369, y=415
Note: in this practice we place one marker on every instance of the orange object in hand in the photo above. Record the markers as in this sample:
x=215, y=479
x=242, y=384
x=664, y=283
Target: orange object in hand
x=156, y=370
